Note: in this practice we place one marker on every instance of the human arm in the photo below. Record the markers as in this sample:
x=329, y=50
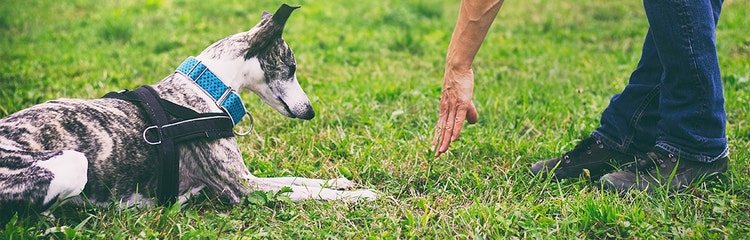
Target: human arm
x=474, y=20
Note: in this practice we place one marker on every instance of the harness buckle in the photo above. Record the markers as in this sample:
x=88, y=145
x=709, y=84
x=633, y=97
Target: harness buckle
x=145, y=138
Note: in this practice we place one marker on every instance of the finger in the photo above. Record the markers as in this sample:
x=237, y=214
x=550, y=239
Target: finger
x=471, y=115
x=445, y=139
x=439, y=127
x=436, y=135
x=442, y=145
x=445, y=142
x=458, y=124
x=436, y=141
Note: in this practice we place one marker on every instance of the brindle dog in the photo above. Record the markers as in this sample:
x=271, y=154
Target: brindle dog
x=93, y=151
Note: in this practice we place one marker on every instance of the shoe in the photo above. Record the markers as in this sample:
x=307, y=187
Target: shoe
x=590, y=155
x=661, y=169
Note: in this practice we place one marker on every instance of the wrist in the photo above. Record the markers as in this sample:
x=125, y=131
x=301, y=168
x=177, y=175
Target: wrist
x=455, y=61
x=457, y=66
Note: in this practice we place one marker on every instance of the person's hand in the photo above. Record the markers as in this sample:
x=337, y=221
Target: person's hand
x=455, y=107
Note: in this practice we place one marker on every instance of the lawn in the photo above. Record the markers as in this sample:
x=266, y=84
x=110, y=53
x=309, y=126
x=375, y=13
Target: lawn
x=373, y=72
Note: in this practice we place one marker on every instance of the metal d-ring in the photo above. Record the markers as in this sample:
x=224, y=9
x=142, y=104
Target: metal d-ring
x=146, y=138
x=252, y=124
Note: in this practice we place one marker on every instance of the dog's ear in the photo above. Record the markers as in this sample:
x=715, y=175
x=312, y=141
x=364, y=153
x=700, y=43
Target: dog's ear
x=274, y=24
x=282, y=14
x=270, y=28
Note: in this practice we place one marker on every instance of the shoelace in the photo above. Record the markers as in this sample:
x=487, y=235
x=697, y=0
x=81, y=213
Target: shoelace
x=650, y=162
x=586, y=145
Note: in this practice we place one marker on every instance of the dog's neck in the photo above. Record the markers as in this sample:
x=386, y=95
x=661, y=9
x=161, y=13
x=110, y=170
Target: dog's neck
x=237, y=73
x=224, y=96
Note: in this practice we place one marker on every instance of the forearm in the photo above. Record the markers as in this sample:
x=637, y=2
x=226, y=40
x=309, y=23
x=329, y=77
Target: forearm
x=474, y=20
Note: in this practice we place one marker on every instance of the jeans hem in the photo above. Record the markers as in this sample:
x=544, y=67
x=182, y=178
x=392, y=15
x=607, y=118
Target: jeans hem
x=609, y=143
x=696, y=157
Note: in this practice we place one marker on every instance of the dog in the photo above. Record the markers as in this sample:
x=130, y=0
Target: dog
x=97, y=152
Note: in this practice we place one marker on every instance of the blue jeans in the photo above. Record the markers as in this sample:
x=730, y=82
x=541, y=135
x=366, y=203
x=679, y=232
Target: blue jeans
x=674, y=98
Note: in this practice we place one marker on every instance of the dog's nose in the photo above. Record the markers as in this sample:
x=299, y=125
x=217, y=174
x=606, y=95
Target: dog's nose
x=307, y=114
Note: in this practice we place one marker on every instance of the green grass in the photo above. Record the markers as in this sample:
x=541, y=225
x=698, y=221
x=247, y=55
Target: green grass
x=373, y=72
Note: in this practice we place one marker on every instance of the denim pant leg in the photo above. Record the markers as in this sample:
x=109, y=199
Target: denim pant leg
x=690, y=117
x=629, y=123
x=691, y=104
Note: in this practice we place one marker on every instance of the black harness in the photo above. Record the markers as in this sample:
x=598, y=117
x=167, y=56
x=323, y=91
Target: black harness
x=173, y=124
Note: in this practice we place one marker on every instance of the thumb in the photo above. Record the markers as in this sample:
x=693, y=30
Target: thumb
x=471, y=114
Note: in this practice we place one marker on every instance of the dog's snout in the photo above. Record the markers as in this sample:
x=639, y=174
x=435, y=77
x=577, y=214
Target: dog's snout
x=308, y=113
x=303, y=111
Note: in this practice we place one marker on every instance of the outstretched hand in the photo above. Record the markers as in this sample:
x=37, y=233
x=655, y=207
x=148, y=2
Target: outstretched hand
x=455, y=107
x=474, y=20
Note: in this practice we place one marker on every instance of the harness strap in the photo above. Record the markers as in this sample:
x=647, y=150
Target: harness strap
x=190, y=124
x=170, y=160
x=166, y=134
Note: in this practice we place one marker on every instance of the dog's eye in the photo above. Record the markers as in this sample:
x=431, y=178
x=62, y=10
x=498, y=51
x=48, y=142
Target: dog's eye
x=292, y=70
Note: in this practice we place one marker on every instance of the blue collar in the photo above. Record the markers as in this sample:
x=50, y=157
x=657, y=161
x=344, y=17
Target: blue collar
x=225, y=97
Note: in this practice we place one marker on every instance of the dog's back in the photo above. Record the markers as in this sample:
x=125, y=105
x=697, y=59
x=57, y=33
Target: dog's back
x=103, y=132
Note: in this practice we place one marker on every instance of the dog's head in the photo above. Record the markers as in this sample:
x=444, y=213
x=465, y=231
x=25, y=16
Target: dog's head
x=261, y=61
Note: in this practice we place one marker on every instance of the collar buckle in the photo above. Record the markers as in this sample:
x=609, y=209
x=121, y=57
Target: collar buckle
x=224, y=96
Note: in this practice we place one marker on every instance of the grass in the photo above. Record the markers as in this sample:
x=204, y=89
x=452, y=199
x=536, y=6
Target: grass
x=373, y=72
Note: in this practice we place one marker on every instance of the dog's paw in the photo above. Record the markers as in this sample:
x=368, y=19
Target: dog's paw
x=360, y=195
x=339, y=184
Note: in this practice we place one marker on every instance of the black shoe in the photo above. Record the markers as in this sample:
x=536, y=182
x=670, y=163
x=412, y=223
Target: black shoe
x=590, y=154
x=660, y=169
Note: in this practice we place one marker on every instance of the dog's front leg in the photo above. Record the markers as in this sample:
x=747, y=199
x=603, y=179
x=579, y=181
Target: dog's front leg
x=300, y=193
x=308, y=188
x=220, y=167
x=217, y=165
x=335, y=183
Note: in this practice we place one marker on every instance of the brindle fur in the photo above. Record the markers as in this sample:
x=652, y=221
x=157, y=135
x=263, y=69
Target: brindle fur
x=101, y=138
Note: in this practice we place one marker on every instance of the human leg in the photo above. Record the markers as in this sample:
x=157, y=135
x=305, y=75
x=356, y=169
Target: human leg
x=691, y=142
x=628, y=125
x=691, y=102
